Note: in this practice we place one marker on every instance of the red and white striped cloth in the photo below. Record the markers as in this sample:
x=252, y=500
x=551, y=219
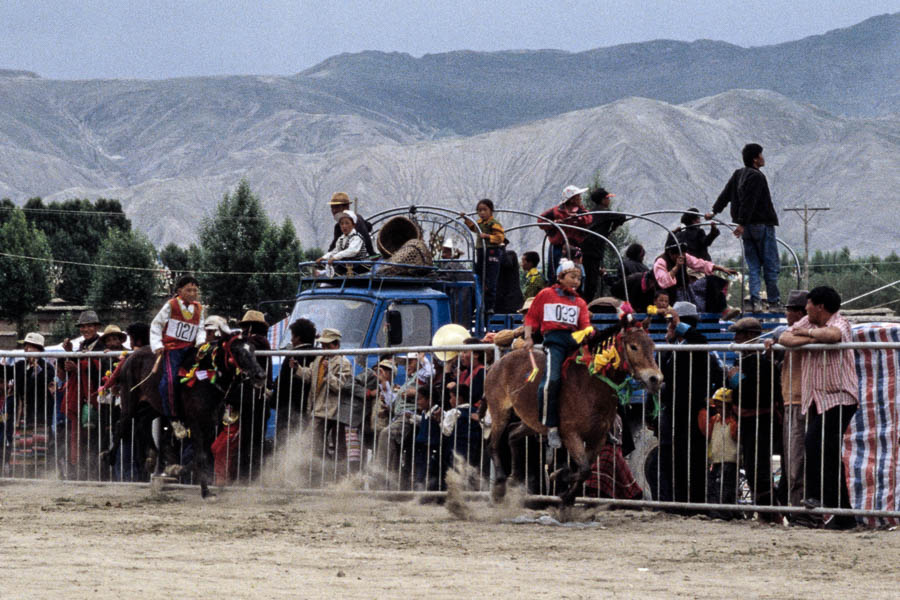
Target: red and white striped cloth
x=871, y=452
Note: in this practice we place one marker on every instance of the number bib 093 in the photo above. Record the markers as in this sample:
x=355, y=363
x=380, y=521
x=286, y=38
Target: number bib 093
x=561, y=313
x=180, y=330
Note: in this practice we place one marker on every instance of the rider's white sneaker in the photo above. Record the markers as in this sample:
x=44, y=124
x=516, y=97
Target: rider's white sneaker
x=553, y=439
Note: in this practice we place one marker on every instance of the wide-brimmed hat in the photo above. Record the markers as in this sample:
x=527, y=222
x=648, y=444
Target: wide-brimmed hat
x=88, y=317
x=746, y=324
x=33, y=338
x=685, y=309
x=253, y=316
x=329, y=335
x=339, y=198
x=526, y=305
x=112, y=330
x=447, y=243
x=571, y=191
x=386, y=364
x=796, y=299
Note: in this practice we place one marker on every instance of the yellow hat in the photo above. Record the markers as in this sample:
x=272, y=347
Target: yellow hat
x=449, y=335
x=723, y=395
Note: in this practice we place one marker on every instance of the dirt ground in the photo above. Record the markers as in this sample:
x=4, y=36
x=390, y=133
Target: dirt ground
x=63, y=540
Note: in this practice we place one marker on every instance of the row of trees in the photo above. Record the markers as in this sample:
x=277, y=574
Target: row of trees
x=88, y=253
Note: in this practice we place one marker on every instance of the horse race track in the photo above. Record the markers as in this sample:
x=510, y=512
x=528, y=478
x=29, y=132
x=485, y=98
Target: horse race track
x=91, y=541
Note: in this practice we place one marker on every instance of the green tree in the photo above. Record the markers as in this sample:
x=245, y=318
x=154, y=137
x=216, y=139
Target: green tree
x=75, y=229
x=136, y=285
x=23, y=282
x=229, y=241
x=180, y=261
x=280, y=252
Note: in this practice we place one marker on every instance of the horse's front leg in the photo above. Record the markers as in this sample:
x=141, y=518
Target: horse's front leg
x=577, y=453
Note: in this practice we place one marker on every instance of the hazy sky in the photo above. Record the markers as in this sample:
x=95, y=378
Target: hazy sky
x=78, y=39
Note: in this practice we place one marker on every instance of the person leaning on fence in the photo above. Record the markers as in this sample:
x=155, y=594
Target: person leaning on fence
x=830, y=398
x=30, y=411
x=396, y=439
x=291, y=392
x=794, y=427
x=252, y=403
x=82, y=380
x=556, y=312
x=327, y=377
x=755, y=381
x=173, y=331
x=689, y=379
x=720, y=427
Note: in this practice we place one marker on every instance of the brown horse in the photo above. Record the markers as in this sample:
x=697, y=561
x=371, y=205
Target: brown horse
x=587, y=405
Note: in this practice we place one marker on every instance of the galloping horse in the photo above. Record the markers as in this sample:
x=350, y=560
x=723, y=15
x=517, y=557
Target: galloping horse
x=218, y=369
x=587, y=405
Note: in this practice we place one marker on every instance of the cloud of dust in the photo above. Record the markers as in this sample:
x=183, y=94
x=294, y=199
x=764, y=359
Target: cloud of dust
x=463, y=477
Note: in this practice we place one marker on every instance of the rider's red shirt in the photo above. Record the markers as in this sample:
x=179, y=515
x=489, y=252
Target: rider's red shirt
x=554, y=308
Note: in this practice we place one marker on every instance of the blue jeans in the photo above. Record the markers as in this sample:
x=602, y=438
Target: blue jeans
x=761, y=252
x=558, y=343
x=170, y=363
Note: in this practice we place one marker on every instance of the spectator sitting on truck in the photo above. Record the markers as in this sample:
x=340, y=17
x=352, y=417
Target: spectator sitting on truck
x=670, y=270
x=534, y=281
x=340, y=203
x=349, y=246
x=488, y=248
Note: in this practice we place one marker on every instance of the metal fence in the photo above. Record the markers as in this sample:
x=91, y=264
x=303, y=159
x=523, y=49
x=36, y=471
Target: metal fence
x=400, y=418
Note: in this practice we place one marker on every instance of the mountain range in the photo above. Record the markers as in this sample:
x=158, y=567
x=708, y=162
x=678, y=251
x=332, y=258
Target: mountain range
x=661, y=123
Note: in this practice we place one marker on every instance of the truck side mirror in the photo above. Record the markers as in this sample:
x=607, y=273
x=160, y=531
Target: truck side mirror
x=394, y=328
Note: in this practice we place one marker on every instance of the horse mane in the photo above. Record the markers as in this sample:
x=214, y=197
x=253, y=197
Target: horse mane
x=598, y=338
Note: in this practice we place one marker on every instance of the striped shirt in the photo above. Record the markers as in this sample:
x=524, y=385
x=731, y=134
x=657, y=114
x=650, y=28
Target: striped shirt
x=829, y=376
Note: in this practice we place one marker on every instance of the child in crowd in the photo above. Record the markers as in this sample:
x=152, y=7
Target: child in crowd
x=427, y=450
x=461, y=427
x=660, y=304
x=489, y=247
x=349, y=246
x=719, y=425
x=534, y=281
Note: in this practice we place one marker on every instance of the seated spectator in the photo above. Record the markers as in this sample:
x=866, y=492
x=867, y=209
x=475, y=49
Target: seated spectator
x=429, y=464
x=534, y=281
x=634, y=259
x=349, y=246
x=720, y=428
x=509, y=295
x=694, y=240
x=340, y=203
x=830, y=398
x=670, y=272
x=569, y=212
x=660, y=304
x=461, y=427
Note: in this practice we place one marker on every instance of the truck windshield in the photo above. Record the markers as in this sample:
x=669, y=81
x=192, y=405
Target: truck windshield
x=350, y=317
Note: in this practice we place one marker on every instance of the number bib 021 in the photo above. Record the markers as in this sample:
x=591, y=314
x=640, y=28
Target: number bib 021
x=182, y=331
x=566, y=314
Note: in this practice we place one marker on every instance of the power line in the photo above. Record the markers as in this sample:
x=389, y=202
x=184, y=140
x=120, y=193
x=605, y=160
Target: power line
x=78, y=212
x=154, y=270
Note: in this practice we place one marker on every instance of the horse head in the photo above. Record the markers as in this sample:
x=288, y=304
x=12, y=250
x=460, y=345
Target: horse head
x=637, y=349
x=241, y=354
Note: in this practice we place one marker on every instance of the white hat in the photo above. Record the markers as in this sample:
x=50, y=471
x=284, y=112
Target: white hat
x=685, y=309
x=345, y=213
x=572, y=191
x=329, y=335
x=217, y=323
x=448, y=243
x=566, y=265
x=34, y=339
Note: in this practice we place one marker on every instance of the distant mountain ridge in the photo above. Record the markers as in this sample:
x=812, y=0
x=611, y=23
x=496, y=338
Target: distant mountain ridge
x=449, y=128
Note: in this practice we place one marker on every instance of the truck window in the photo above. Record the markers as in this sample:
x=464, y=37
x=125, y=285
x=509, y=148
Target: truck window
x=350, y=317
x=416, y=325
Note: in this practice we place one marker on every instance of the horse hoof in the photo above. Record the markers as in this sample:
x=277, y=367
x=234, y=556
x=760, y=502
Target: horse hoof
x=173, y=470
x=498, y=492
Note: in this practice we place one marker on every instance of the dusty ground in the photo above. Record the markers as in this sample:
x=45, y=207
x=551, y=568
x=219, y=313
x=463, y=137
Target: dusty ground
x=90, y=541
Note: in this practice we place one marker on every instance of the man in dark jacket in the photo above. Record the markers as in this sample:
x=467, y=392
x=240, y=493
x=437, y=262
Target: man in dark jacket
x=693, y=238
x=751, y=208
x=755, y=381
x=594, y=247
x=340, y=203
x=690, y=378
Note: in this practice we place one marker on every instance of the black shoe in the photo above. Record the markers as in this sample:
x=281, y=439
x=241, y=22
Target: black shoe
x=811, y=503
x=840, y=523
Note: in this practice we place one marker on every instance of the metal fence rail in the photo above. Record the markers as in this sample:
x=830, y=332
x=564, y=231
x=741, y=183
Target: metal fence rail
x=398, y=419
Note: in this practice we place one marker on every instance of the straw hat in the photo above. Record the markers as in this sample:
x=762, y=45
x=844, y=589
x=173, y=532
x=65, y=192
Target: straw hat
x=253, y=316
x=329, y=335
x=112, y=330
x=339, y=198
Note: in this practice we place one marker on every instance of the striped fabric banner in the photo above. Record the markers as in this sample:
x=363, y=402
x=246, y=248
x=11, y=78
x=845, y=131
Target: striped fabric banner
x=279, y=333
x=871, y=442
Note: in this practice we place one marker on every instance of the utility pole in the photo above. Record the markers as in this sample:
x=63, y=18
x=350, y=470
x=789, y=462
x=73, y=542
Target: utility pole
x=807, y=217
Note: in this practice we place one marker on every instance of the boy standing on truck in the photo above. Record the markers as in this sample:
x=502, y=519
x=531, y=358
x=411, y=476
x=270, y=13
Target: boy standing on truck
x=556, y=312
